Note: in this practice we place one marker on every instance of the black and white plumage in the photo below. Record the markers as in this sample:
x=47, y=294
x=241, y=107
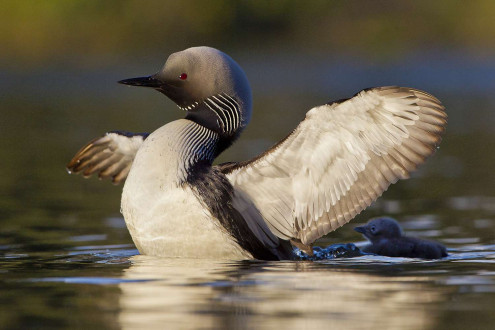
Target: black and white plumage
x=387, y=239
x=338, y=160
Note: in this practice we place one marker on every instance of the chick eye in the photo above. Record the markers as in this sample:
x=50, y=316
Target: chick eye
x=373, y=229
x=183, y=76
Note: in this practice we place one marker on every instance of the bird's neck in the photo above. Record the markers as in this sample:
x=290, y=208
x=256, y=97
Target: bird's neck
x=221, y=114
x=175, y=151
x=197, y=147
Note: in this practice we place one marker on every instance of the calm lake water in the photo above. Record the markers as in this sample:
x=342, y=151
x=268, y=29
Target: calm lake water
x=67, y=260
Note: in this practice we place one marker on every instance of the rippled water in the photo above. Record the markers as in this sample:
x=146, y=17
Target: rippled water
x=67, y=261
x=86, y=283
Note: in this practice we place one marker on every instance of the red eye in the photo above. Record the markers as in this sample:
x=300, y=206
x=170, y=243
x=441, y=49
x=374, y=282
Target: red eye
x=183, y=76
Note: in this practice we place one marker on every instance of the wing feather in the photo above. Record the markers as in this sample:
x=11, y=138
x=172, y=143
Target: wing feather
x=110, y=155
x=340, y=159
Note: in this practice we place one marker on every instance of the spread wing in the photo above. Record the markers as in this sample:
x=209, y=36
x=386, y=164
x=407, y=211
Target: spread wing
x=110, y=155
x=340, y=159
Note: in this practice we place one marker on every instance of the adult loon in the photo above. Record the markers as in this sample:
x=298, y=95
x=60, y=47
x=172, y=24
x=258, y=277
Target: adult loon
x=387, y=239
x=337, y=161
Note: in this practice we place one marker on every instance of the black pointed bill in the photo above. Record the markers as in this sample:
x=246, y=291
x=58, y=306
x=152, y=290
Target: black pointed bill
x=361, y=229
x=149, y=81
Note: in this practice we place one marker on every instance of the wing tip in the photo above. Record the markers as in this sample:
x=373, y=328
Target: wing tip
x=95, y=157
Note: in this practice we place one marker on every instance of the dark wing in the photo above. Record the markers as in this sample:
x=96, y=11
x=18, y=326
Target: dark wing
x=110, y=155
x=339, y=160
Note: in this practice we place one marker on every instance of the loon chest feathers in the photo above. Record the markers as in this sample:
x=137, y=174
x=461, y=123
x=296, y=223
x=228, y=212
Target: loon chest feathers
x=163, y=207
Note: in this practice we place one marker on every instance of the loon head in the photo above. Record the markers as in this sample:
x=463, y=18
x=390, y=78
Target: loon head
x=209, y=85
x=380, y=228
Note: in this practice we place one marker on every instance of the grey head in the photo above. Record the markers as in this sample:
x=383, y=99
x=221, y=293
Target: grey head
x=380, y=228
x=209, y=85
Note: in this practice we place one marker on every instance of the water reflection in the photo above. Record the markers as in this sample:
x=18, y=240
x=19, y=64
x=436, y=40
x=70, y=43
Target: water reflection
x=213, y=294
x=120, y=289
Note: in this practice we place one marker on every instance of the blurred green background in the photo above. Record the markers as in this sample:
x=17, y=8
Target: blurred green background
x=89, y=31
x=59, y=62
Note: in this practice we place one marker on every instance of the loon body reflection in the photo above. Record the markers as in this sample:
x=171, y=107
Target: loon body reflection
x=386, y=238
x=337, y=161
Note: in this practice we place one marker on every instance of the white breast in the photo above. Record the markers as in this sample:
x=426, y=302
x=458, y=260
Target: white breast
x=163, y=215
